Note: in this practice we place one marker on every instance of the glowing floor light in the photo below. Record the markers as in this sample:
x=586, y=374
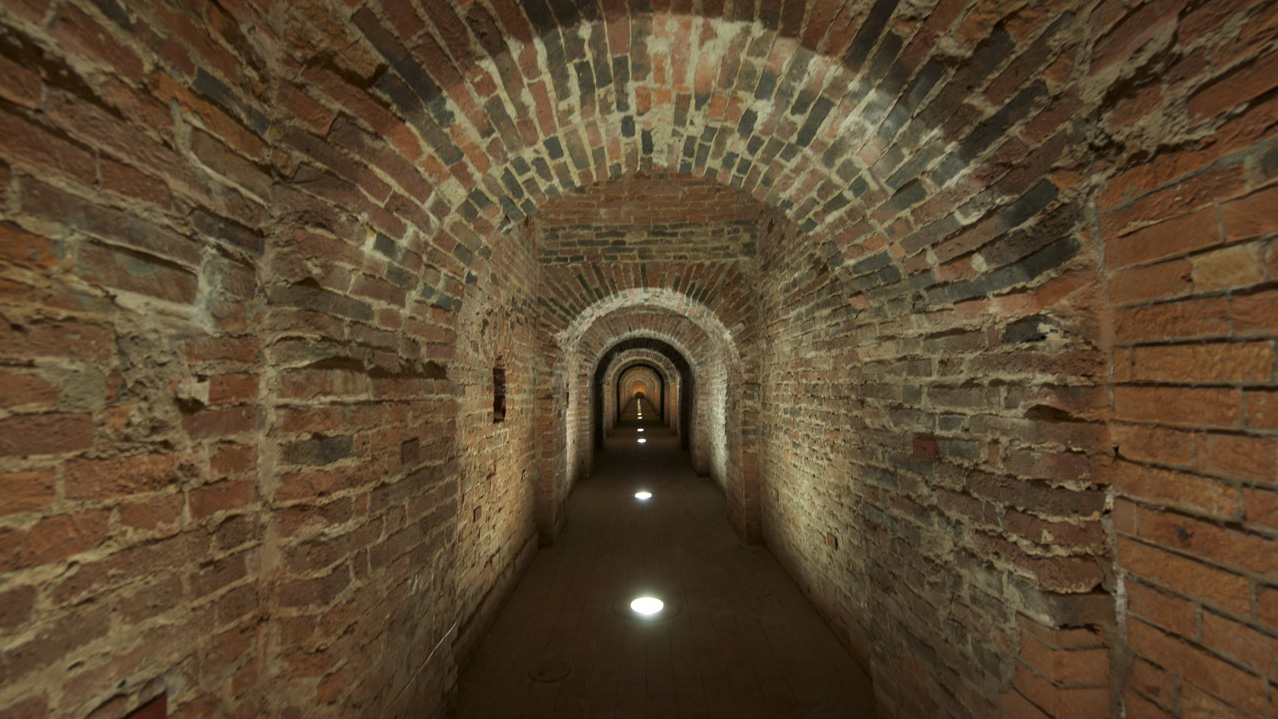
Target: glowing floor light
x=641, y=429
x=642, y=440
x=643, y=496
x=647, y=606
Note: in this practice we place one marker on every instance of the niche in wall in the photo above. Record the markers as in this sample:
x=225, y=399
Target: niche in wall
x=499, y=393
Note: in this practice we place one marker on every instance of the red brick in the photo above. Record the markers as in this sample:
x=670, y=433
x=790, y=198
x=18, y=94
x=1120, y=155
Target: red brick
x=1261, y=507
x=1181, y=198
x=1132, y=33
x=1251, y=458
x=1177, y=489
x=1067, y=666
x=1242, y=644
x=1255, y=313
x=125, y=180
x=1262, y=409
x=1161, y=281
x=1154, y=444
x=220, y=158
x=228, y=388
x=1195, y=702
x=1228, y=267
x=1239, y=551
x=1195, y=665
x=1179, y=406
x=70, y=339
x=1267, y=606
x=1152, y=682
x=26, y=389
x=1215, y=363
x=82, y=34
x=151, y=514
x=27, y=435
x=1235, y=87
x=1171, y=320
x=311, y=113
x=314, y=592
x=16, y=606
x=220, y=422
x=231, y=459
x=25, y=249
x=109, y=479
x=22, y=139
x=227, y=495
x=52, y=539
x=1171, y=613
x=26, y=491
x=1172, y=238
x=1185, y=576
x=1085, y=703
x=1252, y=215
x=1062, y=638
x=137, y=272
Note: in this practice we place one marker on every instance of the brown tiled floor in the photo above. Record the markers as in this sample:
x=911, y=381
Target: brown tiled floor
x=744, y=643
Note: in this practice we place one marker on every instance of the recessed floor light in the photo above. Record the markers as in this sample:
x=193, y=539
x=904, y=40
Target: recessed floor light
x=642, y=440
x=647, y=606
x=641, y=429
x=643, y=496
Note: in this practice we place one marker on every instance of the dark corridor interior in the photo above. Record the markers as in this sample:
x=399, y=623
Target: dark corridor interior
x=736, y=638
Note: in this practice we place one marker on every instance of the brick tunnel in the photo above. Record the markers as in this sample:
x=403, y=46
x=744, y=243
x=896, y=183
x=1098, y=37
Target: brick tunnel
x=316, y=314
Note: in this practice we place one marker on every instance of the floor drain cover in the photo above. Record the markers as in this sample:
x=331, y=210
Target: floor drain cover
x=551, y=669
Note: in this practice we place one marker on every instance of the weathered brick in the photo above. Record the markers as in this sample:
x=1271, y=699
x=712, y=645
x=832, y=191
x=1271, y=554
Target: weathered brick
x=47, y=151
x=1236, y=86
x=1171, y=613
x=52, y=539
x=1185, y=576
x=28, y=435
x=226, y=162
x=1177, y=489
x=1215, y=363
x=1250, y=216
x=1234, y=266
x=1182, y=406
x=26, y=491
x=113, y=479
x=136, y=272
x=1237, y=687
x=1174, y=237
x=227, y=495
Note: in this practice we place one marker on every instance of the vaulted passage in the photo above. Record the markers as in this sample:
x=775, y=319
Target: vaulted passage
x=736, y=639
x=319, y=319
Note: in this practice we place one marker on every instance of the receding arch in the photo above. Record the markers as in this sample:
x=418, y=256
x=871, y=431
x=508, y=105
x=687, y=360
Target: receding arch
x=677, y=359
x=671, y=403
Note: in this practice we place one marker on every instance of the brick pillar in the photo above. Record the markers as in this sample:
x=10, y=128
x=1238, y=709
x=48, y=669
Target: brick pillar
x=1061, y=672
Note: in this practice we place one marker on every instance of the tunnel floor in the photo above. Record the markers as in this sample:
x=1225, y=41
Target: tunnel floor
x=738, y=638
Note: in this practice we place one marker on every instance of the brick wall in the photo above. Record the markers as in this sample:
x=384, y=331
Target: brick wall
x=657, y=374
x=649, y=219
x=135, y=199
x=694, y=273
x=642, y=381
x=988, y=270
x=675, y=391
x=1187, y=218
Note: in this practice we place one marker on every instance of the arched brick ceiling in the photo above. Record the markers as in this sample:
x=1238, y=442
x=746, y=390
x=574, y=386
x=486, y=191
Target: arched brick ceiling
x=636, y=323
x=635, y=357
x=648, y=310
x=641, y=373
x=851, y=117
